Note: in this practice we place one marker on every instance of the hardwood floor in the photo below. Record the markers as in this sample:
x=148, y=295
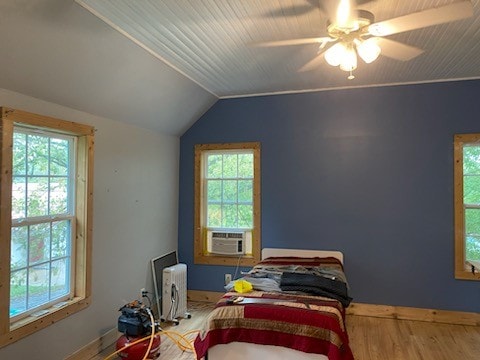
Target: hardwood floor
x=370, y=338
x=376, y=338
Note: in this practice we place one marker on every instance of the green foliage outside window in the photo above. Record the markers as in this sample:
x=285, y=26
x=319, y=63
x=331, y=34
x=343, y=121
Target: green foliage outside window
x=40, y=243
x=229, y=189
x=471, y=199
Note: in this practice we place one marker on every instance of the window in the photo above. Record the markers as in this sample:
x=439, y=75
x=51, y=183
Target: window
x=45, y=223
x=227, y=200
x=467, y=205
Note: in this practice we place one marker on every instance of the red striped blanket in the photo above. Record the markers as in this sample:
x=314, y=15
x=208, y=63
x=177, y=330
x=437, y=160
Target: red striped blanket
x=311, y=324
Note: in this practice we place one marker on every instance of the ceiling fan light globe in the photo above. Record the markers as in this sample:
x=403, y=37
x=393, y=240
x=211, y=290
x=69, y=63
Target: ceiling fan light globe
x=335, y=54
x=368, y=50
x=349, y=61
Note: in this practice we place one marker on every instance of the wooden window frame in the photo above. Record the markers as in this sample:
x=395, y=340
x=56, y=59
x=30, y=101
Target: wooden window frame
x=463, y=270
x=11, y=332
x=200, y=254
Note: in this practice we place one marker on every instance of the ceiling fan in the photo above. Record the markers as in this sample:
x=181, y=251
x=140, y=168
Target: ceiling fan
x=353, y=32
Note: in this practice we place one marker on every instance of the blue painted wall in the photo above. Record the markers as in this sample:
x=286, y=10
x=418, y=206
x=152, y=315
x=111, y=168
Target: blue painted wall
x=366, y=171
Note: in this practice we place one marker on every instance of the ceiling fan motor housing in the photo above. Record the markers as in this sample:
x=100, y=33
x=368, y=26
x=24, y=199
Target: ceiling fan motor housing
x=357, y=25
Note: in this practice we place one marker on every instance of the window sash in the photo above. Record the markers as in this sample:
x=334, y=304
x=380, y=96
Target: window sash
x=30, y=305
x=222, y=203
x=466, y=167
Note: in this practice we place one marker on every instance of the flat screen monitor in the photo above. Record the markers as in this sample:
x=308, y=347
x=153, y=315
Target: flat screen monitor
x=158, y=264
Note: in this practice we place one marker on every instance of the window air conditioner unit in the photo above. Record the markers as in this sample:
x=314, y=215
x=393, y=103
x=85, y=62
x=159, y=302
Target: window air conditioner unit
x=228, y=242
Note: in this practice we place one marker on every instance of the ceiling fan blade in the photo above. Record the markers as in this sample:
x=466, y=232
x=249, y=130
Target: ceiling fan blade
x=434, y=16
x=312, y=64
x=397, y=50
x=363, y=2
x=302, y=41
x=290, y=11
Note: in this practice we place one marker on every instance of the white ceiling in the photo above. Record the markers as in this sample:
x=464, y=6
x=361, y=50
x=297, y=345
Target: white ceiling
x=161, y=64
x=211, y=42
x=57, y=51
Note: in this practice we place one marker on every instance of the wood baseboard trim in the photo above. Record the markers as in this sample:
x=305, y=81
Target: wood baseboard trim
x=96, y=346
x=416, y=314
x=207, y=296
x=381, y=311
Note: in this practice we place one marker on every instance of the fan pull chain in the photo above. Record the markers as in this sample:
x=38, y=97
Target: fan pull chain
x=351, y=76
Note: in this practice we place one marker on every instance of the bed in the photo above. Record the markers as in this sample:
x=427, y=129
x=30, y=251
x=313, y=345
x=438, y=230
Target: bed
x=299, y=321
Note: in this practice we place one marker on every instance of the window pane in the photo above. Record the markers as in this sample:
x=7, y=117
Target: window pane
x=37, y=202
x=245, y=191
x=472, y=221
x=19, y=154
x=229, y=218
x=39, y=245
x=60, y=278
x=214, y=191
x=471, y=189
x=59, y=156
x=214, y=216
x=471, y=160
x=58, y=196
x=245, y=165
x=19, y=249
x=230, y=191
x=245, y=216
x=214, y=166
x=37, y=155
x=40, y=263
x=230, y=165
x=60, y=239
x=38, y=288
x=19, y=197
x=472, y=250
x=18, y=292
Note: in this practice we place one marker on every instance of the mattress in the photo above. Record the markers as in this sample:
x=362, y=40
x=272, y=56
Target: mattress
x=307, y=321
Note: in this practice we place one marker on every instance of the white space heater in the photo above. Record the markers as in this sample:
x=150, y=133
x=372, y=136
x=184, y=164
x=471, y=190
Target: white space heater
x=174, y=293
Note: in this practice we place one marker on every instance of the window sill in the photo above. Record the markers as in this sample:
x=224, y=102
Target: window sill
x=212, y=259
x=31, y=324
x=467, y=275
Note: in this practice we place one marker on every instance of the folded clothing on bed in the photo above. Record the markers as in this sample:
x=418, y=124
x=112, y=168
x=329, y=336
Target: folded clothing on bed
x=317, y=285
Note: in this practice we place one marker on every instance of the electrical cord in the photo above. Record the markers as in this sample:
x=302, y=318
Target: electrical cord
x=183, y=343
x=148, y=298
x=236, y=269
x=152, y=335
x=170, y=314
x=175, y=296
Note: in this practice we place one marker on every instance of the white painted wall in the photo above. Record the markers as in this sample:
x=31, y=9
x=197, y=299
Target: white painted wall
x=135, y=219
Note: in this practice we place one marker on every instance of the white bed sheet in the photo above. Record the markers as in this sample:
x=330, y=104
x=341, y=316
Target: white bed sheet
x=243, y=351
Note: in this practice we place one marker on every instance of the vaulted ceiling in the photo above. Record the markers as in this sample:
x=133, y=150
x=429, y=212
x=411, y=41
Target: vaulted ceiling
x=161, y=64
x=57, y=51
x=214, y=42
